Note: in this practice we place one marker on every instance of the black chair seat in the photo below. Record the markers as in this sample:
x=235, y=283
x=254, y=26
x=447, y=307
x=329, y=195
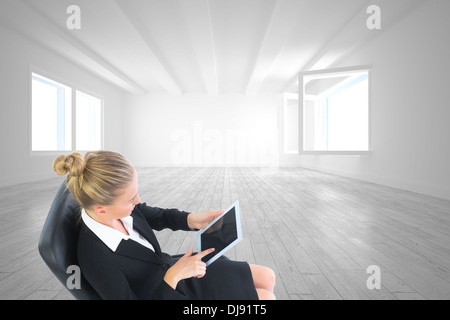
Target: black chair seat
x=58, y=242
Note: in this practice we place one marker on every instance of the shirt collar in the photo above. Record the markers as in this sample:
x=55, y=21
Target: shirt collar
x=108, y=235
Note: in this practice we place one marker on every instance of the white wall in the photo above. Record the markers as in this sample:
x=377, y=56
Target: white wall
x=410, y=106
x=201, y=130
x=17, y=55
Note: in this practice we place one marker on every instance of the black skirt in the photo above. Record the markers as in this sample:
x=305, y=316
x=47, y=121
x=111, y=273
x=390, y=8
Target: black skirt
x=224, y=280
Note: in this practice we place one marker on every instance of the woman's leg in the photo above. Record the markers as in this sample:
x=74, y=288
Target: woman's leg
x=265, y=294
x=264, y=280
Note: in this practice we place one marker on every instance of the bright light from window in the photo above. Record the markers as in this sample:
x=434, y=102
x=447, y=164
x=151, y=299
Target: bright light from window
x=336, y=112
x=348, y=112
x=89, y=122
x=51, y=124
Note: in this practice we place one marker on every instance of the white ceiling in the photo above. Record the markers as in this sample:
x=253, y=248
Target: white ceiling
x=210, y=46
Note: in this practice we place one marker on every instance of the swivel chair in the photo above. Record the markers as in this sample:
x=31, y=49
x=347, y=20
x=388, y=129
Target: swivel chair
x=58, y=242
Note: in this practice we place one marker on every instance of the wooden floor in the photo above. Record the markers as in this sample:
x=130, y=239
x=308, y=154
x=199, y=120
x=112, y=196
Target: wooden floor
x=318, y=232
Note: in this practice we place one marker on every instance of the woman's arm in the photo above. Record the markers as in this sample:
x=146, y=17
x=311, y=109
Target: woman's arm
x=109, y=282
x=187, y=266
x=201, y=220
x=159, y=218
x=175, y=219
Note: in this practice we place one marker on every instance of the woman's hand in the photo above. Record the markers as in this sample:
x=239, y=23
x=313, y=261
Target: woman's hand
x=201, y=220
x=187, y=266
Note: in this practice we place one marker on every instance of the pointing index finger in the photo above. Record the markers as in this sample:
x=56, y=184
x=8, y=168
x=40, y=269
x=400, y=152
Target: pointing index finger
x=205, y=253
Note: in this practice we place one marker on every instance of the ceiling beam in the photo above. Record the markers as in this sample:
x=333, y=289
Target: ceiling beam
x=392, y=12
x=159, y=71
x=346, y=37
x=354, y=34
x=198, y=16
x=282, y=22
x=29, y=20
x=329, y=46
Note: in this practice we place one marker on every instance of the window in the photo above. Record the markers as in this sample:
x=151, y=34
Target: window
x=335, y=111
x=56, y=124
x=51, y=115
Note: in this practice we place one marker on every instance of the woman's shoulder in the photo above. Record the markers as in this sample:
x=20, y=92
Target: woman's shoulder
x=89, y=245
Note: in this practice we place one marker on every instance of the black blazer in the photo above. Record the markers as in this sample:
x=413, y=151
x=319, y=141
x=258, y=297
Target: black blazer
x=133, y=271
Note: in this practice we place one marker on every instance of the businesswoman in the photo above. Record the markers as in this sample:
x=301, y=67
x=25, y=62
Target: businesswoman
x=119, y=254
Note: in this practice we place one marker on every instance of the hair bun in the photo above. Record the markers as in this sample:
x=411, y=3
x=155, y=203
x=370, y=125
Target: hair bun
x=73, y=163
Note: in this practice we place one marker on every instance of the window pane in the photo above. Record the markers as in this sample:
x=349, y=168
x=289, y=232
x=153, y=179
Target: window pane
x=89, y=122
x=348, y=118
x=51, y=112
x=336, y=112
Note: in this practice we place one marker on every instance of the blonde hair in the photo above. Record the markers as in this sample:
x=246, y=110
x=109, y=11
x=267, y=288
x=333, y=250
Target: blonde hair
x=95, y=179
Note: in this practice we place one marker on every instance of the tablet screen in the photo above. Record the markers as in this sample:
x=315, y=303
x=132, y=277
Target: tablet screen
x=221, y=234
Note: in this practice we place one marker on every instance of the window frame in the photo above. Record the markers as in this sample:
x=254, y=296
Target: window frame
x=74, y=88
x=286, y=97
x=302, y=96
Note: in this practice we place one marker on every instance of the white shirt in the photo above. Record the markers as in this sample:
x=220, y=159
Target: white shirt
x=112, y=237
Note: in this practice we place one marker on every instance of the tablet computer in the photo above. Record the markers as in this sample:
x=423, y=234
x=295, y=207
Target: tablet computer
x=222, y=234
